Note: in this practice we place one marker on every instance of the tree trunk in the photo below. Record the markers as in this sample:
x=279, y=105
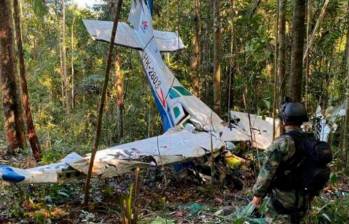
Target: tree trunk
x=20, y=122
x=61, y=74
x=64, y=62
x=102, y=102
x=72, y=66
x=298, y=28
x=217, y=92
x=275, y=73
x=196, y=60
x=231, y=63
x=119, y=85
x=8, y=78
x=281, y=62
x=207, y=71
x=346, y=120
x=317, y=25
x=306, y=56
x=32, y=136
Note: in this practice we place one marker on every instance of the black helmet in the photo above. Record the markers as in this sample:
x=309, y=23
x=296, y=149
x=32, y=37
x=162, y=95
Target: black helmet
x=293, y=113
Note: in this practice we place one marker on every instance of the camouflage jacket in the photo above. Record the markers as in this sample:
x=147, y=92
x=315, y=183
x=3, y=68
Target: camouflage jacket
x=282, y=149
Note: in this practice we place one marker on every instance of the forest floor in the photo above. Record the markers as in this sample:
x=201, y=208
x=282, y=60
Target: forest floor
x=169, y=198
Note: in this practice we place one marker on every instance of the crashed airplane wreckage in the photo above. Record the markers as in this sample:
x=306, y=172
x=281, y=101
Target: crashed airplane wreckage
x=191, y=128
x=327, y=122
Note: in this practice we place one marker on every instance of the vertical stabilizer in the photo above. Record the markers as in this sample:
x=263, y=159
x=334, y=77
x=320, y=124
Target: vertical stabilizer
x=140, y=16
x=141, y=21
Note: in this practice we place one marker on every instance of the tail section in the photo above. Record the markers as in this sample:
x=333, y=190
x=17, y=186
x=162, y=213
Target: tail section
x=127, y=37
x=141, y=21
x=175, y=104
x=139, y=35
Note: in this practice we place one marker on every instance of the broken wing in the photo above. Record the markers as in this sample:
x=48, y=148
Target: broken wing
x=164, y=149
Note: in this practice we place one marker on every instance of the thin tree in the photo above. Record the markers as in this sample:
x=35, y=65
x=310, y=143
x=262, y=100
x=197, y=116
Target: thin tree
x=119, y=86
x=310, y=41
x=298, y=29
x=21, y=126
x=306, y=54
x=64, y=61
x=61, y=73
x=196, y=60
x=217, y=93
x=72, y=65
x=281, y=62
x=8, y=78
x=231, y=62
x=346, y=119
x=102, y=102
x=317, y=25
x=275, y=73
x=32, y=136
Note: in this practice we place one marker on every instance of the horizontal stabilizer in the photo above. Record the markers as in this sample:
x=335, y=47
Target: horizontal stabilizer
x=101, y=30
x=127, y=37
x=168, y=41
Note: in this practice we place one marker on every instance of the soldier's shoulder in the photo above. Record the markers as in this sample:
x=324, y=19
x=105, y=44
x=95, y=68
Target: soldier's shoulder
x=282, y=143
x=283, y=139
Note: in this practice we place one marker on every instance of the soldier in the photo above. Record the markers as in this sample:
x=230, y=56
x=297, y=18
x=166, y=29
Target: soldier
x=286, y=201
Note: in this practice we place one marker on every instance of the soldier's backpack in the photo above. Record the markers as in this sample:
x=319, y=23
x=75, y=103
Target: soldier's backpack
x=307, y=171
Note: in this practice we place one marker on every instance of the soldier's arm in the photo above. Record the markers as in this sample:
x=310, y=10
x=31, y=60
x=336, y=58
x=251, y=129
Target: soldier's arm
x=275, y=154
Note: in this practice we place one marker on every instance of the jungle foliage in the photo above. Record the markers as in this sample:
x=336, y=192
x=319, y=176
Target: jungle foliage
x=64, y=86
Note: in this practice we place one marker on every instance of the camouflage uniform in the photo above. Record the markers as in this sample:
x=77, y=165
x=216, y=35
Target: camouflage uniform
x=279, y=152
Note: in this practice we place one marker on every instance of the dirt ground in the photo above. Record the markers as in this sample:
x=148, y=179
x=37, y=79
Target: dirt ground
x=161, y=197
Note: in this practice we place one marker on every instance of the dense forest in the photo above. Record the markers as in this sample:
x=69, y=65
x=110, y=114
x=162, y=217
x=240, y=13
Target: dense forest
x=242, y=55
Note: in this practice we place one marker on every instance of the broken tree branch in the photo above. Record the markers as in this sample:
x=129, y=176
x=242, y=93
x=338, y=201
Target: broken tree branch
x=317, y=25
